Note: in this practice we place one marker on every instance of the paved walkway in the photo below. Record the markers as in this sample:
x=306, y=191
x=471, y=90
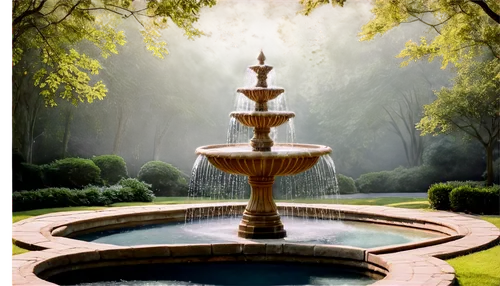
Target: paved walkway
x=410, y=264
x=380, y=195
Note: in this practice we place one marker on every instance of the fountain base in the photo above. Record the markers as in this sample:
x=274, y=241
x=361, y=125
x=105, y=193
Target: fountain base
x=261, y=226
x=260, y=218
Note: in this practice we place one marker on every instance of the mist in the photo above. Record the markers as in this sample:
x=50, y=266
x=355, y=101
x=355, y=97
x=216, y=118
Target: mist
x=163, y=109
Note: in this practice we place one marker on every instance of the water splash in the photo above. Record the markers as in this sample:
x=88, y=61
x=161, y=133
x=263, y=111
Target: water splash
x=210, y=183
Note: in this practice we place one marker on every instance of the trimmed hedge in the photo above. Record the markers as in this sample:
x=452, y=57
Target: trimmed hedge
x=127, y=190
x=73, y=173
x=346, y=184
x=475, y=199
x=165, y=179
x=439, y=196
x=113, y=168
x=456, y=184
x=439, y=193
x=399, y=180
x=468, y=196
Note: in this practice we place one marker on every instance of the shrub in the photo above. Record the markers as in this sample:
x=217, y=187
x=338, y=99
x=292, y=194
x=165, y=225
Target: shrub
x=165, y=179
x=346, y=184
x=113, y=168
x=140, y=191
x=74, y=173
x=27, y=177
x=475, y=199
x=128, y=190
x=25, y=200
x=44, y=198
x=456, y=184
x=439, y=196
x=399, y=180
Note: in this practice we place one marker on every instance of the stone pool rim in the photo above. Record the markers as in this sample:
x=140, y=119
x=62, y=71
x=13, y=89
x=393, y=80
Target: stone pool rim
x=413, y=263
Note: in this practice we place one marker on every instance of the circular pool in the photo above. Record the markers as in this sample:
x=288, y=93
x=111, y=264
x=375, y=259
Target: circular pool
x=299, y=230
x=59, y=252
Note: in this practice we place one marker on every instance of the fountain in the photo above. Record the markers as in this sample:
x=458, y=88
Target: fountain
x=264, y=160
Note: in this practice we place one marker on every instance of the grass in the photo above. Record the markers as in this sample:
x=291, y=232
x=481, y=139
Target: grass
x=410, y=203
x=17, y=216
x=395, y=202
x=18, y=250
x=480, y=268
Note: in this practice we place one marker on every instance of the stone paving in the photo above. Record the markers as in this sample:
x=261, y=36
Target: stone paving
x=409, y=264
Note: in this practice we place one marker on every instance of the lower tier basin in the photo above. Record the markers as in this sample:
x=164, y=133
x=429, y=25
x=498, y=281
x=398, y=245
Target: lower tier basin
x=299, y=230
x=216, y=273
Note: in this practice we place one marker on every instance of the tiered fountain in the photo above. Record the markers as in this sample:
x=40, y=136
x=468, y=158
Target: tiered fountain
x=262, y=160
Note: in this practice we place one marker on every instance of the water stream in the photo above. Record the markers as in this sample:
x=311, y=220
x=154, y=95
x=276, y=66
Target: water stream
x=207, y=182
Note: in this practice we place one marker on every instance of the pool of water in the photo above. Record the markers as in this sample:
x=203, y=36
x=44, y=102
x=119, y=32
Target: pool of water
x=215, y=273
x=299, y=230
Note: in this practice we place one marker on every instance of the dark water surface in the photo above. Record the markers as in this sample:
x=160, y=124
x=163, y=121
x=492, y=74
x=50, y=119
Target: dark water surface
x=216, y=273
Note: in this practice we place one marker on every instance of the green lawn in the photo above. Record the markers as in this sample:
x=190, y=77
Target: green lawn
x=479, y=268
x=395, y=201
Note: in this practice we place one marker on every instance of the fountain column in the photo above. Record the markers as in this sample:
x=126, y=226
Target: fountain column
x=261, y=218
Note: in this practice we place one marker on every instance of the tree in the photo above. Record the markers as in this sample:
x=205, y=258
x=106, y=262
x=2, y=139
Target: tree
x=124, y=90
x=357, y=90
x=25, y=111
x=471, y=106
x=461, y=29
x=54, y=29
x=169, y=111
x=464, y=33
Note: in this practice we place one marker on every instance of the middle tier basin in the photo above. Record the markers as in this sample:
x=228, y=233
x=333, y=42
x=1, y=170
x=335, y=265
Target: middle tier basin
x=262, y=119
x=261, y=94
x=283, y=159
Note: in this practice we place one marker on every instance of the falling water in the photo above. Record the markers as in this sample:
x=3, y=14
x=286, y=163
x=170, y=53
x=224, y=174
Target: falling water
x=209, y=182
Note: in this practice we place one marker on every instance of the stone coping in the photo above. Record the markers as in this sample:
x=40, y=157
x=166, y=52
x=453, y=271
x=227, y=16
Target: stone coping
x=409, y=264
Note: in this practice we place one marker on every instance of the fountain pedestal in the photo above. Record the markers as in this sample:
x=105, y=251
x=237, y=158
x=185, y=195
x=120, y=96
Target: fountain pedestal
x=260, y=218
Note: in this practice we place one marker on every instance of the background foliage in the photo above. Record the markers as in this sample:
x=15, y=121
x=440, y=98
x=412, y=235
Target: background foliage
x=346, y=94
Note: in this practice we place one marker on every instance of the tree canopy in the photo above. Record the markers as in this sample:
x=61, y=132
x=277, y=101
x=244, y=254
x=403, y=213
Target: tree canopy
x=463, y=33
x=471, y=106
x=460, y=29
x=59, y=33
x=337, y=86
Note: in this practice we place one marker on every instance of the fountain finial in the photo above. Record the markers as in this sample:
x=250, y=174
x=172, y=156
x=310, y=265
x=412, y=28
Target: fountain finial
x=261, y=58
x=261, y=70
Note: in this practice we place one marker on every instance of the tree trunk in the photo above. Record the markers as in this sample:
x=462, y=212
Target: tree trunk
x=67, y=126
x=489, y=163
x=122, y=121
x=415, y=156
x=398, y=132
x=31, y=140
x=159, y=135
x=156, y=149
